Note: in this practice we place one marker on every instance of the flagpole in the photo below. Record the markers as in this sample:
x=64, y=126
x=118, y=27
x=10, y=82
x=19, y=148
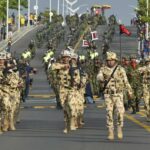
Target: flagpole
x=120, y=49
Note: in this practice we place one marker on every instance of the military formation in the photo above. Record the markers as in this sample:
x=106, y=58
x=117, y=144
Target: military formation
x=122, y=83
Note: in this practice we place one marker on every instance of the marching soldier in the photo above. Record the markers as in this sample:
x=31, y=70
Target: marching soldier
x=135, y=82
x=114, y=80
x=64, y=85
x=145, y=72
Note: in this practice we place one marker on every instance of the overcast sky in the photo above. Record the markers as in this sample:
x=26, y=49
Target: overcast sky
x=123, y=9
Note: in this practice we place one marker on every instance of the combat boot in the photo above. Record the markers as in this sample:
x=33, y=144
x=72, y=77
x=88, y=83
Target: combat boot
x=110, y=134
x=11, y=125
x=5, y=125
x=137, y=107
x=73, y=124
x=119, y=133
x=126, y=107
x=1, y=132
x=134, y=110
x=59, y=105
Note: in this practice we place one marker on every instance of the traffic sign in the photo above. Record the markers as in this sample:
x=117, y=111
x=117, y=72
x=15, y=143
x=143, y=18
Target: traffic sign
x=35, y=7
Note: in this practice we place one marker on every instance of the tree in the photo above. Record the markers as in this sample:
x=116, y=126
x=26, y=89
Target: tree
x=13, y=4
x=142, y=11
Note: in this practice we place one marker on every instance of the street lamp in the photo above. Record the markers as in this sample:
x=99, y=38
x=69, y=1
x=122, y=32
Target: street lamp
x=58, y=7
x=28, y=12
x=147, y=25
x=50, y=10
x=18, y=15
x=7, y=19
x=63, y=13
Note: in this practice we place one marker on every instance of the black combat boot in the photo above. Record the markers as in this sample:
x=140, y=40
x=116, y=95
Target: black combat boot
x=126, y=107
x=59, y=105
x=137, y=108
x=134, y=110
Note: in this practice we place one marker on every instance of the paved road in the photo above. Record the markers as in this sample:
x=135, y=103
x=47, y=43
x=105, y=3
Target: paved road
x=42, y=124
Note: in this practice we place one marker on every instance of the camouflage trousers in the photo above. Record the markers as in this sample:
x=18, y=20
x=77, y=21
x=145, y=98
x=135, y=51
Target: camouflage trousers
x=75, y=107
x=15, y=104
x=146, y=97
x=114, y=106
x=6, y=109
x=63, y=100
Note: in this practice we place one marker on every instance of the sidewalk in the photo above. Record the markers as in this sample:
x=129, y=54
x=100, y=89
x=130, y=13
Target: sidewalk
x=16, y=36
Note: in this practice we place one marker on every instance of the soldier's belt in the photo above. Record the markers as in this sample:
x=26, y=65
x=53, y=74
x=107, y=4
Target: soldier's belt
x=113, y=92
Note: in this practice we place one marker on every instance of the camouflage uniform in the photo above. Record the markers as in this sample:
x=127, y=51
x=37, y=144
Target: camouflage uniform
x=64, y=87
x=145, y=71
x=14, y=98
x=75, y=100
x=54, y=81
x=1, y=106
x=113, y=94
x=125, y=64
x=6, y=104
x=135, y=81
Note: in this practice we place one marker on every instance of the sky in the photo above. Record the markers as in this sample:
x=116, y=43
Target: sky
x=123, y=9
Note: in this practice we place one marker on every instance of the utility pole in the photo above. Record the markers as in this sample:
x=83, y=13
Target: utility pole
x=63, y=12
x=147, y=24
x=7, y=19
x=50, y=11
x=58, y=7
x=19, y=15
x=28, y=12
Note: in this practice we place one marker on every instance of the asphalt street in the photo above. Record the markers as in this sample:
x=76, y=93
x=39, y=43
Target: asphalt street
x=41, y=126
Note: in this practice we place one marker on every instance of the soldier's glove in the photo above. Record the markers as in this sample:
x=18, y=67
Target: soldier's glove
x=66, y=66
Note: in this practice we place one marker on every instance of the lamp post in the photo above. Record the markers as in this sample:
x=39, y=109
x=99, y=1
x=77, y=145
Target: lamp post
x=50, y=9
x=18, y=15
x=147, y=25
x=36, y=10
x=28, y=12
x=58, y=7
x=63, y=12
x=7, y=19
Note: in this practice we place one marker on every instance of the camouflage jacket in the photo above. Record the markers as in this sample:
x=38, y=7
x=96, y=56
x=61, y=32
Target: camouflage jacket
x=117, y=83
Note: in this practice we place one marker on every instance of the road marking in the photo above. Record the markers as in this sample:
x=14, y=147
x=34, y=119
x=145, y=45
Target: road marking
x=146, y=127
x=133, y=119
x=43, y=107
x=42, y=96
x=24, y=34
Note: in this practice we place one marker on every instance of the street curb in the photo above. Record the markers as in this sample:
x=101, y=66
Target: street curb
x=18, y=37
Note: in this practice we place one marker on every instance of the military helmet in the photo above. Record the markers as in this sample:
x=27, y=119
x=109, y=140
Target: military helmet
x=74, y=56
x=65, y=53
x=133, y=57
x=126, y=58
x=111, y=56
x=3, y=55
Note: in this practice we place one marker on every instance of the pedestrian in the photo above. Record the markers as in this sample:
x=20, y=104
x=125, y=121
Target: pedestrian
x=88, y=93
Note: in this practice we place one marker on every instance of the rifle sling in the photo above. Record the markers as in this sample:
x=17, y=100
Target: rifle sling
x=109, y=78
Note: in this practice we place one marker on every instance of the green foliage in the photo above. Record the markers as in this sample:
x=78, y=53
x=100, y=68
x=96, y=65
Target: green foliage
x=13, y=4
x=142, y=11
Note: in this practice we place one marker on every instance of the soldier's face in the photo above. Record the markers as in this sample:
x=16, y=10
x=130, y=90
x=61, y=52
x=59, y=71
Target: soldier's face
x=111, y=63
x=66, y=59
x=127, y=62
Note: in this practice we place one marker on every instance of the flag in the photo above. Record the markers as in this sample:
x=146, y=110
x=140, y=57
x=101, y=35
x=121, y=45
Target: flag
x=94, y=35
x=124, y=30
x=85, y=43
